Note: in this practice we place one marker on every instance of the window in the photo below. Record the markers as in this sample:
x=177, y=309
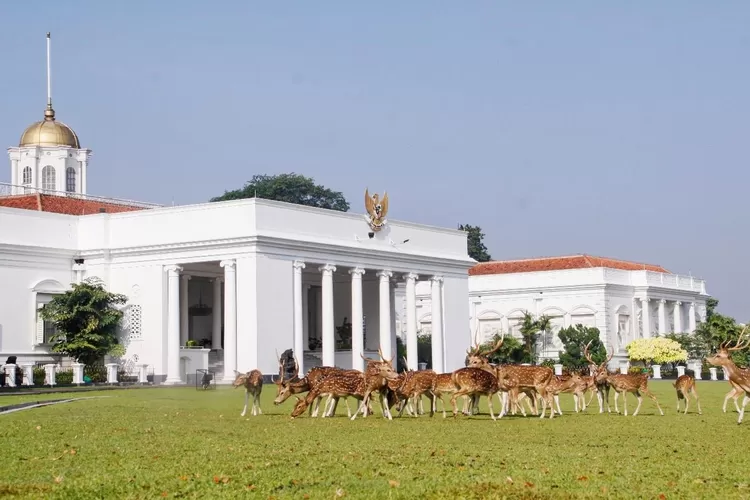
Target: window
x=49, y=330
x=48, y=178
x=26, y=176
x=134, y=322
x=70, y=180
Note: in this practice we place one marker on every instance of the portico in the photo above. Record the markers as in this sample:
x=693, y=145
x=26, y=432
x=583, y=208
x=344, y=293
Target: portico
x=340, y=312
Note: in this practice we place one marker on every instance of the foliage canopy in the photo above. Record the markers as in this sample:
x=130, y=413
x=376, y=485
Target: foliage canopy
x=657, y=350
x=475, y=240
x=290, y=188
x=86, y=319
x=574, y=339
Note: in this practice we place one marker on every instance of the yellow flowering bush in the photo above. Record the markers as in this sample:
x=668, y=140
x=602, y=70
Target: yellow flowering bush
x=658, y=350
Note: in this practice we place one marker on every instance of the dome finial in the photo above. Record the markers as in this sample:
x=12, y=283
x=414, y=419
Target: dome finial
x=49, y=79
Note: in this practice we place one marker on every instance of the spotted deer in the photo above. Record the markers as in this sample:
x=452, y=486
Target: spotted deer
x=345, y=384
x=563, y=383
x=296, y=385
x=599, y=373
x=417, y=384
x=253, y=383
x=685, y=385
x=519, y=378
x=472, y=382
x=637, y=383
x=739, y=378
x=376, y=375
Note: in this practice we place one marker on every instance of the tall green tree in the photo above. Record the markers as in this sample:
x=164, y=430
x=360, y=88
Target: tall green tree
x=710, y=334
x=86, y=320
x=530, y=328
x=511, y=352
x=290, y=188
x=574, y=340
x=477, y=249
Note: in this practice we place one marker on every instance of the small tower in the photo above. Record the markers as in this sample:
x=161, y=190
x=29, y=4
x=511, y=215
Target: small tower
x=49, y=156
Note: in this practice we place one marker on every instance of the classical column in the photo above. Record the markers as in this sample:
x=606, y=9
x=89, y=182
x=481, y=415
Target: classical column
x=329, y=341
x=299, y=344
x=691, y=318
x=230, y=318
x=678, y=317
x=662, y=317
x=216, y=312
x=385, y=312
x=173, y=324
x=184, y=317
x=646, y=317
x=358, y=346
x=437, y=324
x=411, y=321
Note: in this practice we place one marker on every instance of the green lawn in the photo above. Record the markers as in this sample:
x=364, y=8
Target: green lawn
x=154, y=443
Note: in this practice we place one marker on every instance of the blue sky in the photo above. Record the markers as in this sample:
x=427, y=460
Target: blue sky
x=615, y=129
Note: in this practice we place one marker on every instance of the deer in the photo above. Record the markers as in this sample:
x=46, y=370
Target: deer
x=376, y=375
x=253, y=383
x=344, y=384
x=563, y=383
x=740, y=379
x=519, y=378
x=685, y=385
x=472, y=382
x=636, y=383
x=296, y=385
x=599, y=373
x=416, y=384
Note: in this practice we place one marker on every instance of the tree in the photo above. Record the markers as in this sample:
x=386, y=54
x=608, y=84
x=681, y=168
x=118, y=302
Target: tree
x=511, y=352
x=291, y=188
x=717, y=328
x=86, y=319
x=574, y=340
x=530, y=329
x=477, y=249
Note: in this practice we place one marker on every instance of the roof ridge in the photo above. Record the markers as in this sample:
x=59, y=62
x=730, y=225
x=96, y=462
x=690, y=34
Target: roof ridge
x=528, y=259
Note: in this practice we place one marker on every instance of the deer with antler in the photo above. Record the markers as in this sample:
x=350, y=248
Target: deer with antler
x=513, y=379
x=637, y=383
x=296, y=385
x=253, y=383
x=685, y=386
x=599, y=373
x=376, y=377
x=739, y=378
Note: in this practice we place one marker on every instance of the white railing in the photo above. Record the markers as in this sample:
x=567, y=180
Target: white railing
x=7, y=189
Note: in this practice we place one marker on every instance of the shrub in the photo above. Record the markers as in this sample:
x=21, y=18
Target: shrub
x=64, y=377
x=39, y=375
x=656, y=350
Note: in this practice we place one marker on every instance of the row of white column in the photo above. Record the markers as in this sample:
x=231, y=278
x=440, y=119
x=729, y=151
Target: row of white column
x=662, y=317
x=177, y=319
x=384, y=294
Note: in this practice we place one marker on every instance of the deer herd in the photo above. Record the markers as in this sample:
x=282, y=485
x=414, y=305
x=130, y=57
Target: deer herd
x=514, y=386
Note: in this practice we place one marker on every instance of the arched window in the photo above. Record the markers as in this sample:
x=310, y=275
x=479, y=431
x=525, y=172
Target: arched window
x=48, y=178
x=70, y=180
x=26, y=176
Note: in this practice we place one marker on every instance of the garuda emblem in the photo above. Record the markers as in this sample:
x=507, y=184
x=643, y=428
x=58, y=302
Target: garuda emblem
x=377, y=209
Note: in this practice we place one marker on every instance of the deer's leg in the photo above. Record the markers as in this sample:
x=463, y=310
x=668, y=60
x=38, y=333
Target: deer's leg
x=362, y=406
x=640, y=400
x=742, y=409
x=247, y=397
x=575, y=401
x=656, y=402
x=678, y=402
x=617, y=396
x=726, y=399
x=489, y=405
x=556, y=399
x=327, y=407
x=697, y=401
x=455, y=396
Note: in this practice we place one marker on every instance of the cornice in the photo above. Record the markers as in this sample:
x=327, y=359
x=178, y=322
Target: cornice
x=35, y=251
x=296, y=249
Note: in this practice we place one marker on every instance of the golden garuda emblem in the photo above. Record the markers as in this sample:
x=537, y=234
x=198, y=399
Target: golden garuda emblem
x=377, y=209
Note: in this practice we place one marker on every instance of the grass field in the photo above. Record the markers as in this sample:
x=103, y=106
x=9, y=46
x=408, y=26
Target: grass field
x=179, y=442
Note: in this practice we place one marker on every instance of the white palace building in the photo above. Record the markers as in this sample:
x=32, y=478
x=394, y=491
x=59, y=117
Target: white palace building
x=229, y=285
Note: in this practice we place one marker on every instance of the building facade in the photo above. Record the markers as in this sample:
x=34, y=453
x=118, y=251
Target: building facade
x=624, y=300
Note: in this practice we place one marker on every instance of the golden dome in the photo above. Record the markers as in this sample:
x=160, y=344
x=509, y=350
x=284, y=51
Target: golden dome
x=49, y=132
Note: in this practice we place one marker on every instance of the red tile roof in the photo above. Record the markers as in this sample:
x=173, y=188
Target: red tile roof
x=64, y=204
x=558, y=263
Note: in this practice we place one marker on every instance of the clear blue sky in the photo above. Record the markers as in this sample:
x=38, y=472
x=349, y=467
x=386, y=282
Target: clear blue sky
x=615, y=129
